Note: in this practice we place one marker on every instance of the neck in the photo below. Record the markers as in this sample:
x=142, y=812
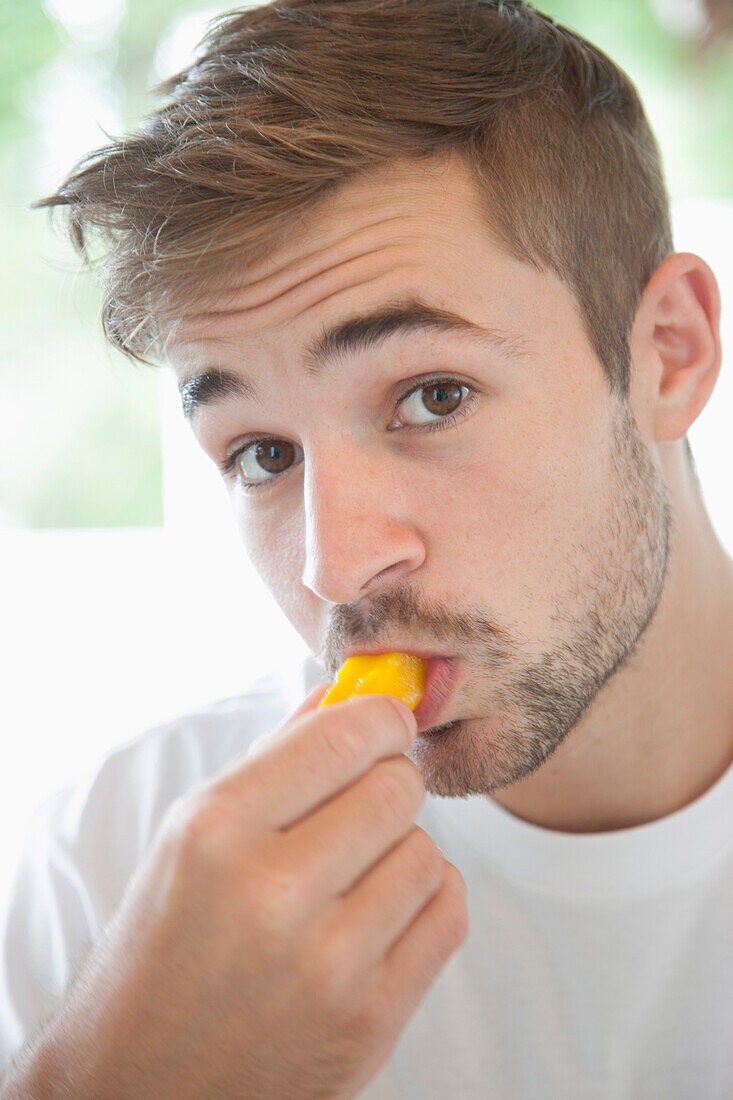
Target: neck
x=660, y=731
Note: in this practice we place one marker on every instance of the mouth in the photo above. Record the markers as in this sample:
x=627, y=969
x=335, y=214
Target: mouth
x=439, y=681
x=439, y=684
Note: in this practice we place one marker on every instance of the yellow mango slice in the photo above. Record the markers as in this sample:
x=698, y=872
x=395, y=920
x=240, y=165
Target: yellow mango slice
x=400, y=674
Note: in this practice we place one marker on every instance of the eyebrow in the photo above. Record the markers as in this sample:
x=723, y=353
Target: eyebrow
x=217, y=385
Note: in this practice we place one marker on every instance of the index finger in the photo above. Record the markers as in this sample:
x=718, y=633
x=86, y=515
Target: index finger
x=314, y=756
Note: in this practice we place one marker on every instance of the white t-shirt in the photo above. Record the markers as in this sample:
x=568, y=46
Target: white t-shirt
x=597, y=967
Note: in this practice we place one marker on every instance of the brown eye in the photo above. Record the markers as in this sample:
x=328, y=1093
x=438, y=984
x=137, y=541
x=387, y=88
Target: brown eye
x=437, y=398
x=269, y=456
x=442, y=398
x=274, y=457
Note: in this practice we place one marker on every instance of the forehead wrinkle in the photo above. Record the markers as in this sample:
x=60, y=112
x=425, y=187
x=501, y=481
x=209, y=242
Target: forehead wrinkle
x=315, y=295
x=308, y=263
x=302, y=287
x=299, y=272
x=232, y=338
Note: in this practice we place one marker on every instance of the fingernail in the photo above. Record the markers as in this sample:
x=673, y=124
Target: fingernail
x=407, y=715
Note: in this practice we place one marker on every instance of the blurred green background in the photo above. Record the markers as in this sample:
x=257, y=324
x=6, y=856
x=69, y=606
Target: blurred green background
x=80, y=441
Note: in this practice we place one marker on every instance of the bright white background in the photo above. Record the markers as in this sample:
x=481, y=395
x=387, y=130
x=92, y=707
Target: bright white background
x=107, y=631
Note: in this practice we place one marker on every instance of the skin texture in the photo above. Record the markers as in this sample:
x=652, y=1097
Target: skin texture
x=554, y=539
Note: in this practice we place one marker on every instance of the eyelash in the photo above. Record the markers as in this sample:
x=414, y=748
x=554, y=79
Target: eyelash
x=227, y=466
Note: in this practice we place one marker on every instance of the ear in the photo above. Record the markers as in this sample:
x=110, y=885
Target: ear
x=675, y=341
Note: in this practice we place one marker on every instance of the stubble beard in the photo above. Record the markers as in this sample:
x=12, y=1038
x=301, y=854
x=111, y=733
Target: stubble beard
x=534, y=711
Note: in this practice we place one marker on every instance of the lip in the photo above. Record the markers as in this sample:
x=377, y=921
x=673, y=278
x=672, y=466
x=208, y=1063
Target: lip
x=439, y=679
x=439, y=685
x=426, y=654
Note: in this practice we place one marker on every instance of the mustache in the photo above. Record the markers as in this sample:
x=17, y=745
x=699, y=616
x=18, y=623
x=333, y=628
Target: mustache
x=402, y=613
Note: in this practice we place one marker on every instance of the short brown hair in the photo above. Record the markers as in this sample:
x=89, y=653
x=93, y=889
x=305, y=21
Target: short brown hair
x=287, y=101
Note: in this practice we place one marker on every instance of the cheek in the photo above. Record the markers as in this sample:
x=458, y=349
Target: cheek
x=274, y=547
x=532, y=511
x=276, y=551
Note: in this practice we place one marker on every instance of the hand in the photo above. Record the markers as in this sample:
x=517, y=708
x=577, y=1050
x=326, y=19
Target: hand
x=288, y=921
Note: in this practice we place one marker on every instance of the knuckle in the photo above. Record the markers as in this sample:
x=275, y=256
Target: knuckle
x=458, y=920
x=345, y=741
x=330, y=977
x=394, y=787
x=455, y=880
x=366, y=1026
x=195, y=824
x=415, y=775
x=455, y=903
x=425, y=856
x=410, y=779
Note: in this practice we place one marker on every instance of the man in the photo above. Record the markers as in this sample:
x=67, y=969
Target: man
x=411, y=264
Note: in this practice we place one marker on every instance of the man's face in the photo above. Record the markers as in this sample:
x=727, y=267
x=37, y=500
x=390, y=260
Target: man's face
x=481, y=498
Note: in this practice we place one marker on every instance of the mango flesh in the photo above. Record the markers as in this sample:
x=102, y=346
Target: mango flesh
x=400, y=674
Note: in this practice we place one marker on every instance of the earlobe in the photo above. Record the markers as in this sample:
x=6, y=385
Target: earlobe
x=684, y=303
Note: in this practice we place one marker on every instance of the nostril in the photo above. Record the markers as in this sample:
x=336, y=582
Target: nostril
x=378, y=576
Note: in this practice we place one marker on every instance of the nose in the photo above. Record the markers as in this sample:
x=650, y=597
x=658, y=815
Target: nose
x=359, y=516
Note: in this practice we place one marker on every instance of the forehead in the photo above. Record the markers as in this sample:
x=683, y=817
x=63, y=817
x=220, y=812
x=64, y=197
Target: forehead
x=408, y=249
x=403, y=216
